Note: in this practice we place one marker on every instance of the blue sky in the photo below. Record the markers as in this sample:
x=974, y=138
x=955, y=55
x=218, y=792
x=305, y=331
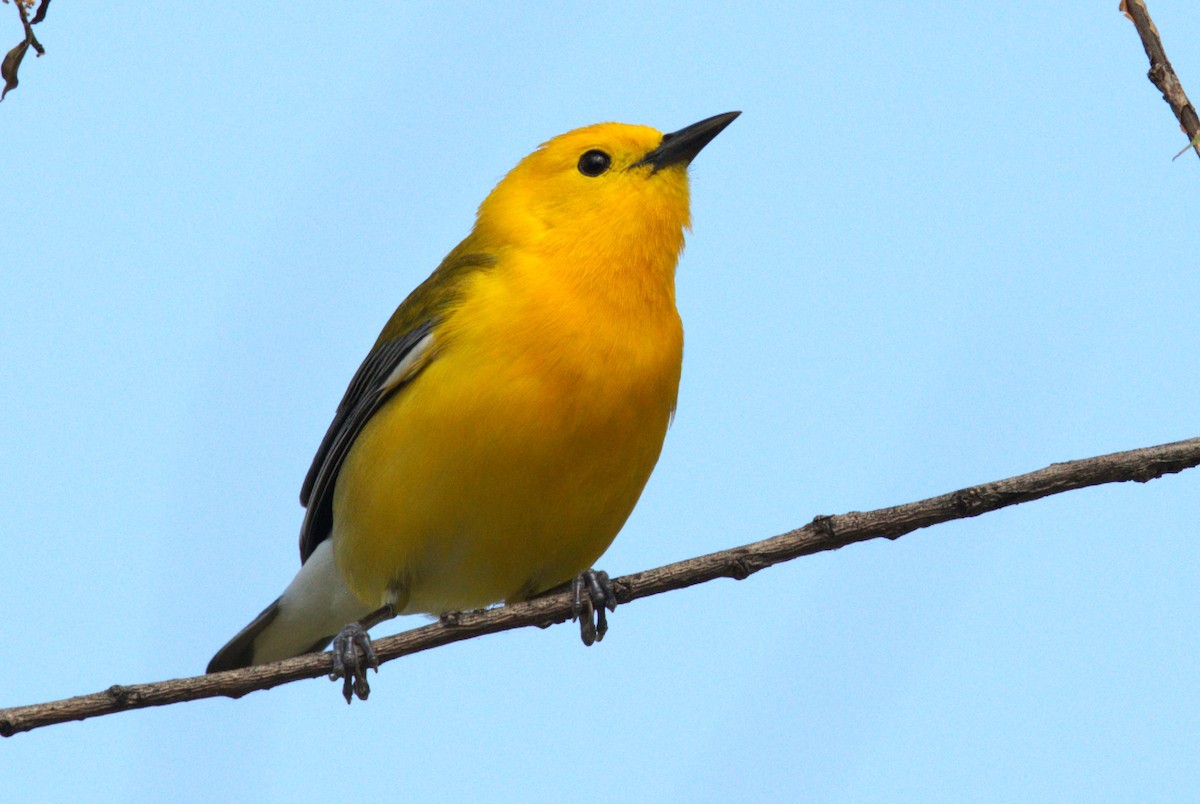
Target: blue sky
x=937, y=249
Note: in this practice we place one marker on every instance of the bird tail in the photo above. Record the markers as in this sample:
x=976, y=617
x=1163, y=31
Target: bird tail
x=239, y=651
x=315, y=606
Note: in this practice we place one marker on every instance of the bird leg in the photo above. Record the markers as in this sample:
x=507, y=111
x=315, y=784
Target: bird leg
x=353, y=653
x=589, y=609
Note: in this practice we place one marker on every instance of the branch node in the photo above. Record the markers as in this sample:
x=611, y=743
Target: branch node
x=969, y=502
x=1152, y=470
x=740, y=569
x=824, y=526
x=120, y=695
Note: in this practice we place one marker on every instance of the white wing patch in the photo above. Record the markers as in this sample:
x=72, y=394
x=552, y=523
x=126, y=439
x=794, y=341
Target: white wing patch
x=412, y=361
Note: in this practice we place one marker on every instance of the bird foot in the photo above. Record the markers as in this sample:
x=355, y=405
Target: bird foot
x=353, y=653
x=588, y=609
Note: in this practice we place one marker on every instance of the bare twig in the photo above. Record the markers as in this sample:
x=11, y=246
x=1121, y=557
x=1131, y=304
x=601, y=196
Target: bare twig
x=41, y=12
x=823, y=533
x=1162, y=74
x=12, y=60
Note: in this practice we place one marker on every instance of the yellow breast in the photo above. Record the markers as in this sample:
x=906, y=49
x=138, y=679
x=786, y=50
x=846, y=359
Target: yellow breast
x=513, y=459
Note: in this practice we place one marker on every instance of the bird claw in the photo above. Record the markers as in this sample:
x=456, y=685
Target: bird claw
x=353, y=653
x=589, y=609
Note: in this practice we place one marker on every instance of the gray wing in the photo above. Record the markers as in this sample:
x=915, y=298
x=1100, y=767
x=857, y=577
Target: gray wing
x=373, y=384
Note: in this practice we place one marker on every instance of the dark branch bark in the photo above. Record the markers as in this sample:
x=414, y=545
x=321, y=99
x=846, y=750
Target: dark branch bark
x=1162, y=74
x=41, y=12
x=823, y=533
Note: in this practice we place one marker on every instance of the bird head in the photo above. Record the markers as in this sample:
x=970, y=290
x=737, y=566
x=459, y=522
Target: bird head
x=605, y=188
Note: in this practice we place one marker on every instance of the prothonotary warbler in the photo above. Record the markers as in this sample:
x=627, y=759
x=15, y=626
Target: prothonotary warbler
x=504, y=424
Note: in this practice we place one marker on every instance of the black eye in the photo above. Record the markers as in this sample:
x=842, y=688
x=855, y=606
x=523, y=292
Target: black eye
x=594, y=162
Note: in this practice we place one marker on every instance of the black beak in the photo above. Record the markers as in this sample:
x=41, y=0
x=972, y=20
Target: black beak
x=682, y=146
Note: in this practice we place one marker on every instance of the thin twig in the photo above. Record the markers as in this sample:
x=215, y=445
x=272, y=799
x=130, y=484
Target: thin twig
x=823, y=533
x=29, y=36
x=1162, y=74
x=41, y=12
x=10, y=65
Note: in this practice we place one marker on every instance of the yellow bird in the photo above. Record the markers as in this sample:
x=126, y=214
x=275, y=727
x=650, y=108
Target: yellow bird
x=502, y=428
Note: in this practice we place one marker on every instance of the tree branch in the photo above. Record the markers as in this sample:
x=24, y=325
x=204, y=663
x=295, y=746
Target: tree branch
x=823, y=533
x=1162, y=74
